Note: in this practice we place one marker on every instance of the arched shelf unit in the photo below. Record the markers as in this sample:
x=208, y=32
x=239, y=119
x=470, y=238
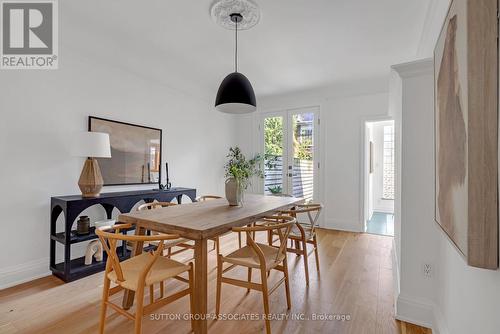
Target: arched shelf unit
x=72, y=206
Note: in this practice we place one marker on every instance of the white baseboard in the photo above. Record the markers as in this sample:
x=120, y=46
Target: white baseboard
x=440, y=326
x=342, y=225
x=23, y=273
x=388, y=210
x=421, y=313
x=415, y=311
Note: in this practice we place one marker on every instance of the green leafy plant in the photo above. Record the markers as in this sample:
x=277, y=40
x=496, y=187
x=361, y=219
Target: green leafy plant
x=242, y=169
x=275, y=189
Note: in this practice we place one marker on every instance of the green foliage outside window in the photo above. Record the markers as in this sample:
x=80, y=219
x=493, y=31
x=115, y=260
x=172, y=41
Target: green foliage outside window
x=273, y=136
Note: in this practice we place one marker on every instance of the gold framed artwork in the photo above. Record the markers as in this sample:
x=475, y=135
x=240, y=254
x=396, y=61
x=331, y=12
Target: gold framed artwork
x=466, y=130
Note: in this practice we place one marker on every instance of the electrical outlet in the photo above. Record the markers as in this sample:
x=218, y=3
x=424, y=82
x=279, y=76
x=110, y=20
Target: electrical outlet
x=427, y=270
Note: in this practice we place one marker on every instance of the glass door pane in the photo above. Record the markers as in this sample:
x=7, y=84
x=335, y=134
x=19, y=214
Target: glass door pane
x=274, y=129
x=302, y=162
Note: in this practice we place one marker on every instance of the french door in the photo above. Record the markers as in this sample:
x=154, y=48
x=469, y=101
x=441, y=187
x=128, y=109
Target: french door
x=289, y=143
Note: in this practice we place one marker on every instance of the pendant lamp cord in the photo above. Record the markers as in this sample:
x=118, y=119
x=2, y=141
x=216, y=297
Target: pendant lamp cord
x=236, y=48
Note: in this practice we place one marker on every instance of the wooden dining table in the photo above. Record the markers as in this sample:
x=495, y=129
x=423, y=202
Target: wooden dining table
x=201, y=221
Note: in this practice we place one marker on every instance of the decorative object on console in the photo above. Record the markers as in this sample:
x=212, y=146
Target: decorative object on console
x=235, y=94
x=91, y=145
x=136, y=152
x=104, y=223
x=83, y=225
x=94, y=249
x=466, y=132
x=239, y=171
x=168, y=185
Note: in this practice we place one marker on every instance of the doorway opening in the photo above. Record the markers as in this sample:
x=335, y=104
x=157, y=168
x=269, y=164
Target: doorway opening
x=379, y=177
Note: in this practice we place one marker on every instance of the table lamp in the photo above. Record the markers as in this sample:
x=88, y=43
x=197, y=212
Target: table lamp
x=91, y=145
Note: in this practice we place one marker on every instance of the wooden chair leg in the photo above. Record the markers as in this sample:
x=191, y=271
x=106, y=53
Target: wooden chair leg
x=217, y=245
x=219, y=285
x=270, y=238
x=162, y=289
x=265, y=299
x=315, y=243
x=104, y=305
x=239, y=239
x=169, y=252
x=191, y=295
x=287, y=283
x=249, y=278
x=306, y=265
x=139, y=309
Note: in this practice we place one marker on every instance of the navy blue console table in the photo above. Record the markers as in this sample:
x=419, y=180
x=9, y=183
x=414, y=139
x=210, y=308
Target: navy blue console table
x=72, y=207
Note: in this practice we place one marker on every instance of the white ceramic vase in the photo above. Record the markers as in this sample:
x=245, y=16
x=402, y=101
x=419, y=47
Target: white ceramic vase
x=234, y=192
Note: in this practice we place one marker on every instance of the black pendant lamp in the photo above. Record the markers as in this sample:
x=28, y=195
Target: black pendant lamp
x=235, y=94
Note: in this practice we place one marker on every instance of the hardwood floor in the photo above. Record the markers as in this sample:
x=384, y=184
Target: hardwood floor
x=355, y=282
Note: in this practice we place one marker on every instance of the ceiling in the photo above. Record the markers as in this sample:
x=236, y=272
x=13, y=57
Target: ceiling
x=298, y=44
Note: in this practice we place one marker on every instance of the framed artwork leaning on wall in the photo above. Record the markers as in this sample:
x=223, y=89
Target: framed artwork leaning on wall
x=466, y=130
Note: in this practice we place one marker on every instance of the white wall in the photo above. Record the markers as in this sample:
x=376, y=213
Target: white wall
x=395, y=111
x=343, y=113
x=418, y=230
x=41, y=109
x=457, y=299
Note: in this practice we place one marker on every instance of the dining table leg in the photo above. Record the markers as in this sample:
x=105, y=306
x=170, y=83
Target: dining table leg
x=200, y=286
x=128, y=295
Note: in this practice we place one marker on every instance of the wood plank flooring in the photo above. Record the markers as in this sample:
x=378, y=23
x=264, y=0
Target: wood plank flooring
x=355, y=285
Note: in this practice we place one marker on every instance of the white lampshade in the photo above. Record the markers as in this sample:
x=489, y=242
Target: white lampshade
x=91, y=145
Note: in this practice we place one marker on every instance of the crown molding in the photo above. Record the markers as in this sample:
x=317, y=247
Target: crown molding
x=433, y=22
x=415, y=68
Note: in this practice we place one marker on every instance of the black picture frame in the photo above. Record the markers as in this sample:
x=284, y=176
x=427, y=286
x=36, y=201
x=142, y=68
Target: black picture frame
x=90, y=118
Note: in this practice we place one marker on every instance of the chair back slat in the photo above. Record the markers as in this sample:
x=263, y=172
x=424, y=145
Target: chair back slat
x=281, y=224
x=311, y=210
x=314, y=220
x=283, y=240
x=109, y=246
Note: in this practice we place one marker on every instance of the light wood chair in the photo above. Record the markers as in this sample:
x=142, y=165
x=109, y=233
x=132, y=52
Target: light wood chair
x=182, y=243
x=303, y=233
x=216, y=239
x=258, y=256
x=139, y=272
x=207, y=197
